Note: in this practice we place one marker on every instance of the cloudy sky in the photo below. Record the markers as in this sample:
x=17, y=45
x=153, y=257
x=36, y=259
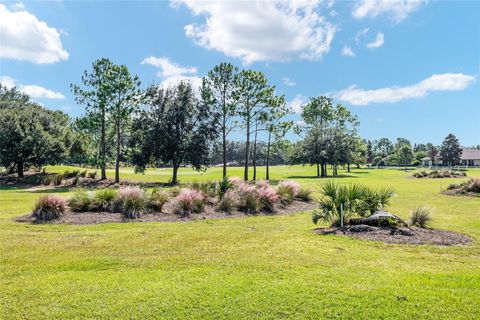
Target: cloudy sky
x=406, y=68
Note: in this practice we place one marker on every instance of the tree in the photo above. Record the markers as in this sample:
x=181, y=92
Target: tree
x=175, y=128
x=405, y=154
x=96, y=95
x=432, y=153
x=221, y=82
x=383, y=147
x=30, y=135
x=450, y=150
x=370, y=154
x=126, y=97
x=251, y=94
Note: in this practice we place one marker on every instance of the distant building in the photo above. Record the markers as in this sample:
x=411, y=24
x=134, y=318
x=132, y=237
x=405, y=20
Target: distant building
x=470, y=158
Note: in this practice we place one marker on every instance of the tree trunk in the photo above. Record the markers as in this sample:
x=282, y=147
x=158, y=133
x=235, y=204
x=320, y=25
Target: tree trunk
x=103, y=148
x=255, y=152
x=20, y=169
x=348, y=167
x=324, y=170
x=247, y=150
x=117, y=157
x=224, y=141
x=318, y=170
x=174, y=176
x=267, y=174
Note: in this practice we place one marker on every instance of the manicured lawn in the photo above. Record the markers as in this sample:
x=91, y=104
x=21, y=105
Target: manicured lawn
x=253, y=267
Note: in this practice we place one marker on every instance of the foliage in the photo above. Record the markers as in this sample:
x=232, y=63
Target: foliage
x=80, y=201
x=224, y=185
x=287, y=190
x=227, y=202
x=438, y=174
x=92, y=175
x=471, y=185
x=49, y=207
x=450, y=150
x=132, y=201
x=104, y=200
x=157, y=199
x=248, y=198
x=268, y=197
x=353, y=199
x=420, y=217
x=57, y=179
x=304, y=194
x=188, y=201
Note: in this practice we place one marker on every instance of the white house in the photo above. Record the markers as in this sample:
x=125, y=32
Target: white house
x=470, y=157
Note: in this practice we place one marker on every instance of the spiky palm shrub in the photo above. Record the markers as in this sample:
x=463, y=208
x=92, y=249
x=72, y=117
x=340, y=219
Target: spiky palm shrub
x=157, y=199
x=49, y=207
x=104, y=200
x=80, y=201
x=132, y=202
x=419, y=217
x=188, y=201
x=354, y=199
x=224, y=186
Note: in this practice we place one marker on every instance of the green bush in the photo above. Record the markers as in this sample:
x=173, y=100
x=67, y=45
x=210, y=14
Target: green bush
x=57, y=180
x=80, y=201
x=49, y=207
x=92, y=175
x=83, y=174
x=224, y=186
x=104, y=200
x=419, y=217
x=157, y=199
x=228, y=202
x=132, y=202
x=304, y=194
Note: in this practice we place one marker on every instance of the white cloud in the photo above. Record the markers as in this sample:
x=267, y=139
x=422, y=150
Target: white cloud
x=378, y=42
x=297, y=103
x=360, y=34
x=261, y=30
x=24, y=37
x=289, y=82
x=437, y=82
x=398, y=10
x=347, y=51
x=32, y=90
x=172, y=73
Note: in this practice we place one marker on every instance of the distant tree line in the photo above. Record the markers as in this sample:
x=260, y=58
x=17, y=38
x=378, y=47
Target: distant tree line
x=186, y=126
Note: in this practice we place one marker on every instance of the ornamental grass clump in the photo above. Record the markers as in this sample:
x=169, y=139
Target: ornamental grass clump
x=228, y=202
x=157, y=199
x=420, y=217
x=248, y=198
x=188, y=201
x=288, y=190
x=267, y=197
x=132, y=202
x=80, y=201
x=104, y=200
x=304, y=194
x=49, y=207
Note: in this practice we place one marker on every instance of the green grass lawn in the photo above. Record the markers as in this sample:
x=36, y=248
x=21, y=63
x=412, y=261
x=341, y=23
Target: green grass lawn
x=267, y=267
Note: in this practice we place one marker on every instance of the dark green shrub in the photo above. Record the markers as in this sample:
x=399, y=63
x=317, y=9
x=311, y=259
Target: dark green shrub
x=224, y=186
x=49, y=207
x=104, y=200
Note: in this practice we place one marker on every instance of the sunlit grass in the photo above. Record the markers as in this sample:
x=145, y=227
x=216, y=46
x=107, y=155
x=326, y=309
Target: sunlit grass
x=242, y=268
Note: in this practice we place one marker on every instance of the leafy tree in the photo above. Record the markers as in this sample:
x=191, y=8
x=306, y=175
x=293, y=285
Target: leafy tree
x=175, y=128
x=370, y=154
x=432, y=153
x=402, y=142
x=96, y=94
x=251, y=94
x=405, y=154
x=30, y=135
x=383, y=147
x=450, y=150
x=221, y=83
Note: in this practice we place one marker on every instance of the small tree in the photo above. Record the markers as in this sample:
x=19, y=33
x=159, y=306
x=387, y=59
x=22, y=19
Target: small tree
x=450, y=150
x=405, y=155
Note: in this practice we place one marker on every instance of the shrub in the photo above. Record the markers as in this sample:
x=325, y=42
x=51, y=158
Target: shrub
x=92, y=175
x=57, y=180
x=175, y=191
x=75, y=181
x=227, y=202
x=188, y=201
x=83, y=174
x=267, y=197
x=304, y=194
x=73, y=174
x=224, y=186
x=48, y=208
x=248, y=198
x=104, y=200
x=262, y=183
x=47, y=180
x=420, y=217
x=473, y=185
x=157, y=199
x=80, y=201
x=132, y=202
x=208, y=189
x=235, y=181
x=288, y=190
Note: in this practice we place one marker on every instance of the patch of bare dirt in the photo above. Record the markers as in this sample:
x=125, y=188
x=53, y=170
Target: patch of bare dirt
x=85, y=218
x=404, y=235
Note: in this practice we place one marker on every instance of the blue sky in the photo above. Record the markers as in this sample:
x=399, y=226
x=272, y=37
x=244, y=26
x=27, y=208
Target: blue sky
x=406, y=68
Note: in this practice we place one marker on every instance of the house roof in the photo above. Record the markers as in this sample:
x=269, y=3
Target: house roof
x=470, y=154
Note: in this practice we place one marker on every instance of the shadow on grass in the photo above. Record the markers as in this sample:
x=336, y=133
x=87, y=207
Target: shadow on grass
x=323, y=178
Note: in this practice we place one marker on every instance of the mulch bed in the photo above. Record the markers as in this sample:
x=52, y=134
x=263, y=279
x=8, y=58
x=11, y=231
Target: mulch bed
x=411, y=235
x=86, y=218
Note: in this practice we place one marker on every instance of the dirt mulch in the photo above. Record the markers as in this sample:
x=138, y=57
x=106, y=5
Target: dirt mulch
x=411, y=235
x=87, y=218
